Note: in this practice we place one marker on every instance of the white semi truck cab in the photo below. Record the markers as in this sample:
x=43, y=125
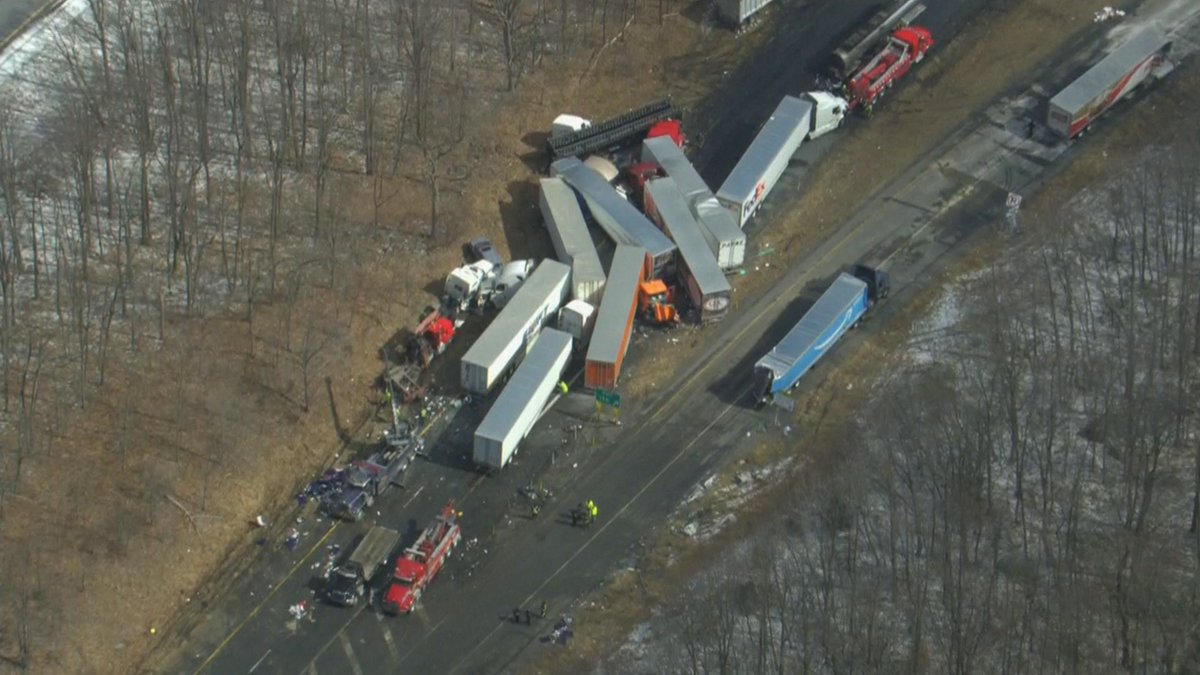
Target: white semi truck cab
x=829, y=111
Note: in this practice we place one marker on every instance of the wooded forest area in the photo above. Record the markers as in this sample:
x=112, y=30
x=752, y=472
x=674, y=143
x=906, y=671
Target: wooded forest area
x=1021, y=495
x=202, y=200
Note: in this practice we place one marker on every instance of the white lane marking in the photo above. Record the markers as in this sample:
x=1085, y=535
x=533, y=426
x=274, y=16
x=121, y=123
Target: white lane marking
x=479, y=643
x=387, y=636
x=259, y=661
x=350, y=653
x=414, y=496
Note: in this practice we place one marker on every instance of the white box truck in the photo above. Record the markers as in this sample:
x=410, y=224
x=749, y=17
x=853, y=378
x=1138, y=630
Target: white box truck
x=577, y=319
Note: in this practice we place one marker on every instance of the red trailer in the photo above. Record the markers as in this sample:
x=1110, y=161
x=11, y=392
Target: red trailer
x=1143, y=57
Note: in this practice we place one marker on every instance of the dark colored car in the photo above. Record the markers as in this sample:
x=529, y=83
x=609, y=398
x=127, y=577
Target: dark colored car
x=481, y=248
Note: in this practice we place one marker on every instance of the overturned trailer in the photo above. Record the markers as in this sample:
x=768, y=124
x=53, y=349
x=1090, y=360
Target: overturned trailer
x=572, y=242
x=612, y=133
x=697, y=269
x=508, y=337
x=723, y=236
x=623, y=223
x=521, y=403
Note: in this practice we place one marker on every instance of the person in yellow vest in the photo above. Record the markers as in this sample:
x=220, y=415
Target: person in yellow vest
x=592, y=511
x=562, y=386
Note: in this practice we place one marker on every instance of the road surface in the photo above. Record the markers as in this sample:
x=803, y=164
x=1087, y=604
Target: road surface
x=17, y=16
x=637, y=472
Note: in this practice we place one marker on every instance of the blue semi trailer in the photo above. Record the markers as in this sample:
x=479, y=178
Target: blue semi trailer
x=838, y=309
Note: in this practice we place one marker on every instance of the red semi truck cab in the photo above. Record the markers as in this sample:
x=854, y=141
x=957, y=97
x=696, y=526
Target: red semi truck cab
x=904, y=48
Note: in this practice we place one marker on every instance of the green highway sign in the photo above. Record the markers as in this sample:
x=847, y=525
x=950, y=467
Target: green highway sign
x=609, y=398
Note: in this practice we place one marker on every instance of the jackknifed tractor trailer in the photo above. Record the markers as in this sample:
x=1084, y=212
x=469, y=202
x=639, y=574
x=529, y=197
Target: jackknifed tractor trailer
x=724, y=236
x=759, y=169
x=697, y=270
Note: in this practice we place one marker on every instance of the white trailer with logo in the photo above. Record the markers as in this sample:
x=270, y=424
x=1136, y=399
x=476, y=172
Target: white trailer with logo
x=765, y=160
x=505, y=341
x=572, y=242
x=699, y=274
x=524, y=398
x=723, y=236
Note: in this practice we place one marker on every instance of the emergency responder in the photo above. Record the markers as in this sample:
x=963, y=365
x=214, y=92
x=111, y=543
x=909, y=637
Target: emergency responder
x=592, y=511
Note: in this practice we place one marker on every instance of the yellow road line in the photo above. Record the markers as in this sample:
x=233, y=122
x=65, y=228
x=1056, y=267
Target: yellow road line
x=320, y=542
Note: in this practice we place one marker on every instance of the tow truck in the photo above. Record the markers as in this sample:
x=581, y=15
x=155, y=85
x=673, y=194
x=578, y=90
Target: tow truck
x=421, y=562
x=905, y=47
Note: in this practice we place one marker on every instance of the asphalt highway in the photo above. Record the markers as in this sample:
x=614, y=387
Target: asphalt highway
x=667, y=443
x=18, y=16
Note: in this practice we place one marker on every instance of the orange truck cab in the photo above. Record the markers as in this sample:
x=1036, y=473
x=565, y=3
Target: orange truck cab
x=656, y=302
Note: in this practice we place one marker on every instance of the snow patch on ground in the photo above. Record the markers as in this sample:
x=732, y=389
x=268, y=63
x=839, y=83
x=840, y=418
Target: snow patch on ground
x=701, y=519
